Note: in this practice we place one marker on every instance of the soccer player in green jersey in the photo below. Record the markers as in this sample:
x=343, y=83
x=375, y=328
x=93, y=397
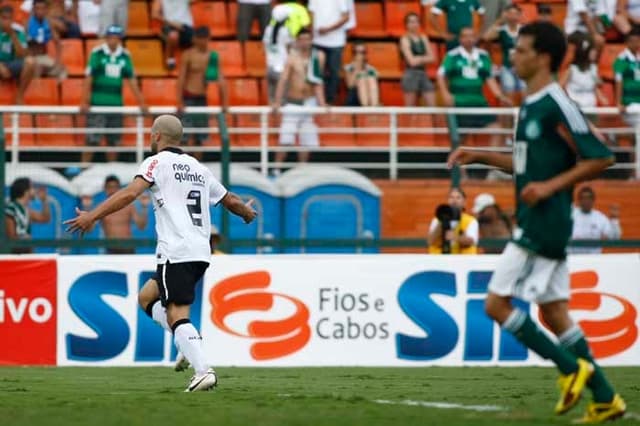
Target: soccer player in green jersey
x=555, y=148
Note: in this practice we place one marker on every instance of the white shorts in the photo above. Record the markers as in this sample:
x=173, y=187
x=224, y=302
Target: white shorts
x=528, y=276
x=294, y=122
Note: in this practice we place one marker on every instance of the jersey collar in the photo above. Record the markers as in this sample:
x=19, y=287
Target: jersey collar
x=474, y=55
x=108, y=52
x=540, y=93
x=629, y=55
x=173, y=149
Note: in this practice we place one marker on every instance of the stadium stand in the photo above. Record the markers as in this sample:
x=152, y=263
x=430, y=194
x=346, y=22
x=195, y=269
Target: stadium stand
x=139, y=19
x=73, y=57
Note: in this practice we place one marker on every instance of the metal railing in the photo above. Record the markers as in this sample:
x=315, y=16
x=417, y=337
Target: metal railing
x=393, y=152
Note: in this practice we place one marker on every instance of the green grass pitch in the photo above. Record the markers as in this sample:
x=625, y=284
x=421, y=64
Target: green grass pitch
x=293, y=396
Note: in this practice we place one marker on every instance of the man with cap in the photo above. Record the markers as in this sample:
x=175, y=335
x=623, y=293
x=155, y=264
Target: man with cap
x=493, y=223
x=199, y=66
x=109, y=65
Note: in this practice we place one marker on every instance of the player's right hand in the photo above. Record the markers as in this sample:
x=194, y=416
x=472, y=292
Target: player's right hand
x=461, y=156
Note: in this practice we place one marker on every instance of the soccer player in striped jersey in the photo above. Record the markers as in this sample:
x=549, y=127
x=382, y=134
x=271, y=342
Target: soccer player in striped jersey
x=555, y=148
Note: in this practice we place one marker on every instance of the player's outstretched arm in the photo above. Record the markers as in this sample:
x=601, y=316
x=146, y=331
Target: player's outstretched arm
x=235, y=205
x=85, y=221
x=463, y=156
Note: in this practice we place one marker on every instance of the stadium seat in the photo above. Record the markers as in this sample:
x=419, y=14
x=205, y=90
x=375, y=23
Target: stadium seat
x=529, y=11
x=71, y=91
x=391, y=93
x=24, y=121
x=254, y=58
x=385, y=57
x=7, y=92
x=394, y=13
x=608, y=57
x=558, y=13
x=213, y=94
x=231, y=58
x=253, y=122
x=233, y=20
x=139, y=21
x=73, y=56
x=42, y=91
x=243, y=92
x=128, y=98
x=213, y=15
x=90, y=44
x=264, y=92
x=368, y=122
x=147, y=57
x=370, y=21
x=44, y=121
x=422, y=122
x=344, y=122
x=159, y=91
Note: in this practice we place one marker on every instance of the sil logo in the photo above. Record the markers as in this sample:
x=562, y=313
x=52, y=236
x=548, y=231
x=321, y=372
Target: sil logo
x=609, y=336
x=248, y=292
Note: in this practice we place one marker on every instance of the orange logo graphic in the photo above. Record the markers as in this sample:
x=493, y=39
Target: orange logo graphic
x=606, y=337
x=246, y=292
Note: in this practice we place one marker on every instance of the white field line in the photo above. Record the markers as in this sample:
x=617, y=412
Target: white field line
x=442, y=405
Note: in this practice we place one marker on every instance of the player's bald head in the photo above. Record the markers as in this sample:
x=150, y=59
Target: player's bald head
x=169, y=127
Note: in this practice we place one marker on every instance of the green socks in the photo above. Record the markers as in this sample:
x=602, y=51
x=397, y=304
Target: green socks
x=574, y=341
x=527, y=332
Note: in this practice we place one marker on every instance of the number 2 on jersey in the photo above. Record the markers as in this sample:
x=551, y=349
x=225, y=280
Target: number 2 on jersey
x=194, y=205
x=520, y=157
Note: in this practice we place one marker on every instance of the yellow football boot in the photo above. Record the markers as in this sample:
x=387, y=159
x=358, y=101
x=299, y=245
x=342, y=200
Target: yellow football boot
x=600, y=412
x=572, y=385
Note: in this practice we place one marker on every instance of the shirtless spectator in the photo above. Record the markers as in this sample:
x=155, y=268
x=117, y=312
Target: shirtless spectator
x=199, y=66
x=39, y=33
x=304, y=86
x=118, y=224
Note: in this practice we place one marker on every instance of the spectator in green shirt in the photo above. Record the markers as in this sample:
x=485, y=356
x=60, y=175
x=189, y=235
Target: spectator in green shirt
x=459, y=16
x=14, y=62
x=109, y=65
x=461, y=79
x=627, y=77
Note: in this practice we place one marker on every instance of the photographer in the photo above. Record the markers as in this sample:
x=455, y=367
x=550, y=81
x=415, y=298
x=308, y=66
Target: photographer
x=453, y=231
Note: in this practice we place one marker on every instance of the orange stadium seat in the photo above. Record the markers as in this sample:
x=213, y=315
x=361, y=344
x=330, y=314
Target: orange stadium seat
x=159, y=91
x=128, y=98
x=264, y=91
x=231, y=58
x=71, y=91
x=394, y=13
x=147, y=57
x=369, y=122
x=529, y=11
x=73, y=56
x=338, y=121
x=139, y=20
x=24, y=121
x=254, y=58
x=42, y=91
x=370, y=21
x=243, y=91
x=385, y=57
x=421, y=122
x=44, y=121
x=90, y=44
x=391, y=93
x=213, y=94
x=253, y=122
x=233, y=20
x=558, y=13
x=213, y=15
x=7, y=92
x=608, y=57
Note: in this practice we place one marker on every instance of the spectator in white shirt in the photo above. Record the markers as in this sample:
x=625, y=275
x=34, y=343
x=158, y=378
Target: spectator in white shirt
x=249, y=11
x=177, y=26
x=591, y=224
x=584, y=16
x=330, y=23
x=277, y=39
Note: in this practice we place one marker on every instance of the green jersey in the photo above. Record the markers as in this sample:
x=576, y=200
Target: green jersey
x=552, y=134
x=108, y=70
x=507, y=40
x=627, y=70
x=466, y=73
x=20, y=216
x=213, y=67
x=459, y=13
x=7, y=50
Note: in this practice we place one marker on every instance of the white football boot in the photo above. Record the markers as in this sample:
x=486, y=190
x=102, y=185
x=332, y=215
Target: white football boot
x=204, y=382
x=182, y=363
